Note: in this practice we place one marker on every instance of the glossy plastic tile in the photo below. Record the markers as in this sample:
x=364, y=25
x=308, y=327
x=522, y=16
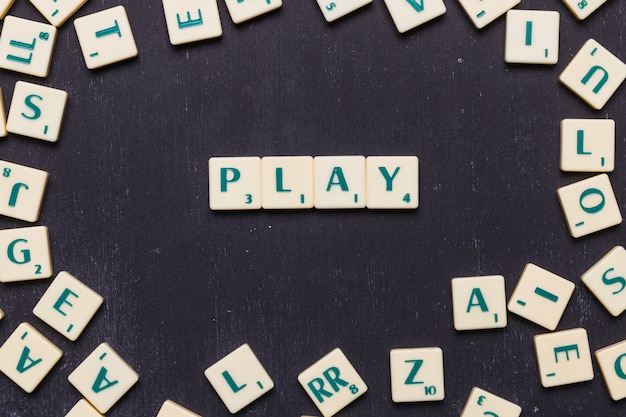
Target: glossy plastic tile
x=25, y=254
x=417, y=374
x=563, y=357
x=21, y=191
x=242, y=10
x=479, y=302
x=583, y=8
x=606, y=280
x=171, y=409
x=26, y=46
x=611, y=360
x=57, y=12
x=287, y=182
x=235, y=183
x=192, y=20
x=482, y=403
x=83, y=409
x=587, y=145
x=392, y=182
x=409, y=14
x=532, y=37
x=3, y=121
x=5, y=5
x=339, y=182
x=483, y=12
x=335, y=9
x=1, y=314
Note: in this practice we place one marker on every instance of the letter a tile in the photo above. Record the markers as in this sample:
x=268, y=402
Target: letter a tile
x=479, y=302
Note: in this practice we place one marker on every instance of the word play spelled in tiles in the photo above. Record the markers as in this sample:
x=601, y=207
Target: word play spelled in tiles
x=583, y=8
x=332, y=383
x=587, y=145
x=25, y=254
x=594, y=74
x=3, y=122
x=541, y=296
x=103, y=378
x=5, y=5
x=21, y=191
x=242, y=10
x=105, y=37
x=606, y=280
x=68, y=305
x=563, y=357
x=611, y=362
x=532, y=37
x=27, y=357
x=26, y=46
x=239, y=378
x=483, y=12
x=57, y=12
x=416, y=374
x=479, y=302
x=409, y=14
x=171, y=409
x=83, y=409
x=589, y=205
x=36, y=111
x=335, y=9
x=483, y=403
x=192, y=20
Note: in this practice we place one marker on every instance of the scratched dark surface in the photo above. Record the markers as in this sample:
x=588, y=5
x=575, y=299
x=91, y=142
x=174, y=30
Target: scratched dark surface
x=127, y=206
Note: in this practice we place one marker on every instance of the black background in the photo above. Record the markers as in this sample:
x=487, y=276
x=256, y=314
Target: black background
x=127, y=206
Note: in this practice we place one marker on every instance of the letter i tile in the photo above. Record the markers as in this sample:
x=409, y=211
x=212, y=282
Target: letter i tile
x=83, y=409
x=26, y=46
x=171, y=409
x=482, y=403
x=612, y=362
x=563, y=357
x=21, y=191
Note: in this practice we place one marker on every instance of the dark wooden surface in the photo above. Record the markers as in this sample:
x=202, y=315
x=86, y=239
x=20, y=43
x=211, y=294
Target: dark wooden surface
x=128, y=214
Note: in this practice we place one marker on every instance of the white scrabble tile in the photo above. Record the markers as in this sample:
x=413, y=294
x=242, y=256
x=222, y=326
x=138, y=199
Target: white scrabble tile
x=334, y=9
x=409, y=14
x=103, y=378
x=27, y=357
x=192, y=20
x=287, y=182
x=5, y=5
x=416, y=374
x=25, y=254
x=532, y=37
x=239, y=378
x=83, y=409
x=605, y=279
x=242, y=10
x=36, y=111
x=3, y=121
x=483, y=12
x=68, y=305
x=57, y=12
x=479, y=302
x=332, y=383
x=171, y=409
x=1, y=314
x=587, y=145
x=583, y=8
x=235, y=183
x=611, y=360
x=392, y=182
x=482, y=403
x=26, y=46
x=594, y=74
x=339, y=182
x=541, y=296
x=589, y=205
x=21, y=191
x=563, y=357
x=105, y=37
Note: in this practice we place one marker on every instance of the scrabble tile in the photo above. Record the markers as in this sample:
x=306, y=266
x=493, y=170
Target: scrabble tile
x=239, y=378
x=334, y=9
x=57, y=12
x=589, y=205
x=3, y=122
x=235, y=183
x=105, y=37
x=392, y=182
x=409, y=14
x=594, y=74
x=36, y=111
x=242, y=10
x=611, y=360
x=21, y=191
x=563, y=357
x=332, y=383
x=483, y=12
x=339, y=182
x=541, y=296
x=587, y=145
x=583, y=8
x=26, y=46
x=171, y=409
x=532, y=37
x=483, y=403
x=27, y=357
x=103, y=378
x=416, y=374
x=68, y=305
x=1, y=314
x=5, y=5
x=287, y=182
x=25, y=254
x=83, y=409
x=192, y=20
x=479, y=302
x=606, y=280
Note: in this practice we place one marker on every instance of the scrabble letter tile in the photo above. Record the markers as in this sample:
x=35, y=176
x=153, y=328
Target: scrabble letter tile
x=339, y=182
x=606, y=280
x=392, y=182
x=479, y=302
x=27, y=357
x=192, y=20
x=57, y=12
x=36, y=111
x=541, y=296
x=242, y=10
x=5, y=5
x=83, y=409
x=583, y=8
x=25, y=254
x=21, y=191
x=235, y=183
x=26, y=46
x=482, y=403
x=332, y=383
x=410, y=14
x=68, y=305
x=532, y=37
x=334, y=9
x=416, y=374
x=239, y=378
x=589, y=205
x=587, y=145
x=171, y=409
x=594, y=74
x=105, y=37
x=287, y=182
x=3, y=122
x=483, y=12
x=611, y=360
x=1, y=314
x=103, y=378
x=563, y=357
